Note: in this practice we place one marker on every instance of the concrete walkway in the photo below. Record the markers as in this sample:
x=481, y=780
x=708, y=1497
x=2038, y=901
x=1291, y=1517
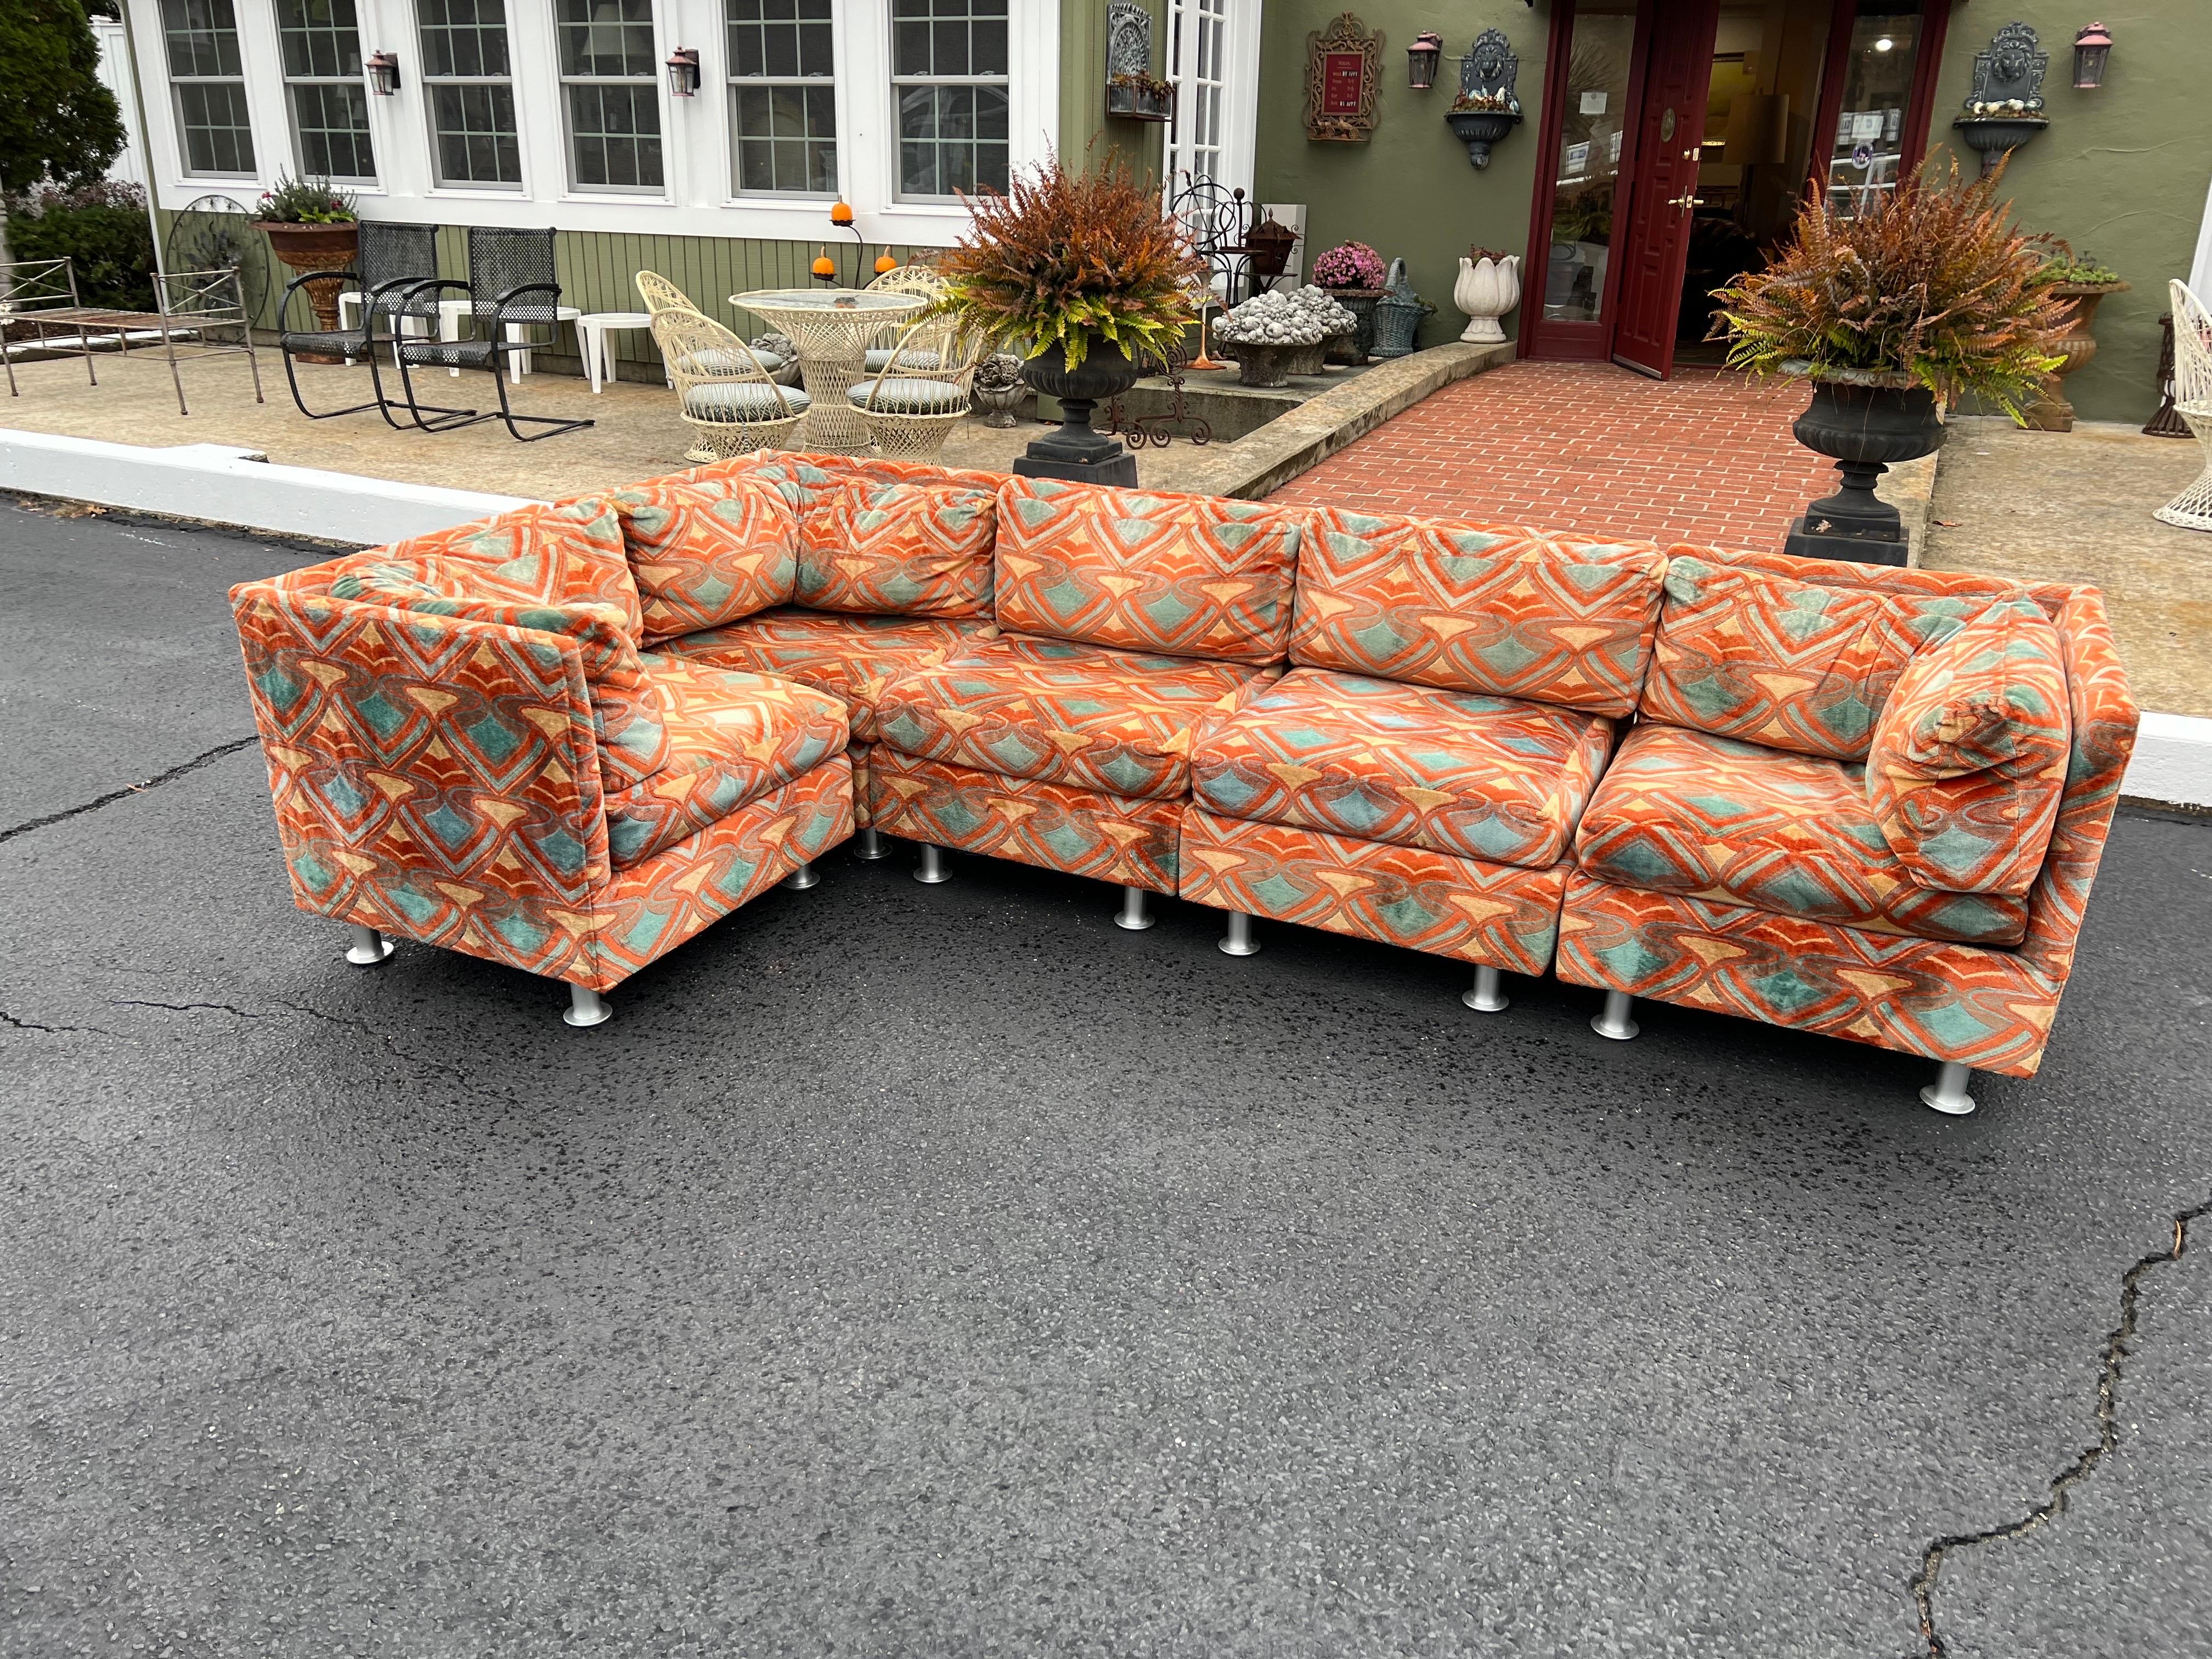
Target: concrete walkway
x=942, y=1271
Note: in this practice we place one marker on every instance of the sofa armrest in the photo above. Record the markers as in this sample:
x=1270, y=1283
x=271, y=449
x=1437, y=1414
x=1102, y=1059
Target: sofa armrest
x=2104, y=721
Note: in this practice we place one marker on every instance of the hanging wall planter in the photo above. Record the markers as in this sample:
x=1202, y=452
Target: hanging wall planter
x=1131, y=92
x=1487, y=109
x=2005, y=108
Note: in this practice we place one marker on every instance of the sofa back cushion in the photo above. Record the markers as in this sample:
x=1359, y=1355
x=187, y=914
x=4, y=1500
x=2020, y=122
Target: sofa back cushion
x=1486, y=609
x=1189, y=575
x=1968, y=761
x=559, y=553
x=900, y=550
x=705, y=554
x=1801, y=665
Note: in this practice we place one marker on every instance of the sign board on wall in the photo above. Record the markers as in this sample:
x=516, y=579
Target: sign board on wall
x=1344, y=79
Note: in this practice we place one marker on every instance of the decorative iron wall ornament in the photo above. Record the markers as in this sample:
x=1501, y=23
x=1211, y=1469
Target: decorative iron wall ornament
x=1488, y=107
x=1344, y=82
x=1132, y=91
x=2005, y=110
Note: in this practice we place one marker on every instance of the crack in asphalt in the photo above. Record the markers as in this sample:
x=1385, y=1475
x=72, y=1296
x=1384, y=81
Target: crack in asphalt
x=354, y=1022
x=7, y=1018
x=114, y=795
x=2113, y=1360
x=187, y=1007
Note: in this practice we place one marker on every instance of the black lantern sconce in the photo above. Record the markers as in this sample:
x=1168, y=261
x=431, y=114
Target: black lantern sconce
x=383, y=74
x=1421, y=60
x=2091, y=47
x=684, y=72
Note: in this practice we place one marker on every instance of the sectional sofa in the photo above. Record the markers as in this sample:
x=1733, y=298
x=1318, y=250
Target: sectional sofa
x=1852, y=799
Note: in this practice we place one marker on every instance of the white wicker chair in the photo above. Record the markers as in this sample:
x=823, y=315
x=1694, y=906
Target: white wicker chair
x=913, y=401
x=724, y=388
x=922, y=280
x=2192, y=400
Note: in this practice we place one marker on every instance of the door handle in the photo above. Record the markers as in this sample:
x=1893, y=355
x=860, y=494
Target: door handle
x=1686, y=201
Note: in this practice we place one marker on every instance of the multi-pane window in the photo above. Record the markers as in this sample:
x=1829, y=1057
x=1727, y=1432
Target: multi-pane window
x=1196, y=29
x=209, y=82
x=321, y=46
x=610, y=81
x=948, y=77
x=783, y=101
x=466, y=70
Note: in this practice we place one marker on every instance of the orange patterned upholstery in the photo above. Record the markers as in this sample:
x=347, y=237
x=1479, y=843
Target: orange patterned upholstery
x=1192, y=575
x=1968, y=764
x=808, y=481
x=1118, y=721
x=1686, y=812
x=732, y=738
x=1477, y=608
x=852, y=657
x=706, y=554
x=1489, y=778
x=900, y=550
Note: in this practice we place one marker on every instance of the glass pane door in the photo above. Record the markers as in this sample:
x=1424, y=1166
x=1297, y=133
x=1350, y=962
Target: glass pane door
x=1866, y=147
x=1592, y=115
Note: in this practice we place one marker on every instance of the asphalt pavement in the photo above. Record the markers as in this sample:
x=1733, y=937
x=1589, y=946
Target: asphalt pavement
x=918, y=1271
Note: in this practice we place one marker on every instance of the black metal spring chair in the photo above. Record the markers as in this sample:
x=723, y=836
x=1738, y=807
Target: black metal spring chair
x=511, y=285
x=390, y=259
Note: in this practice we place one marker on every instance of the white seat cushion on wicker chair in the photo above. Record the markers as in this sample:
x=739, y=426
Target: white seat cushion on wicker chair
x=744, y=400
x=718, y=362
x=876, y=358
x=902, y=396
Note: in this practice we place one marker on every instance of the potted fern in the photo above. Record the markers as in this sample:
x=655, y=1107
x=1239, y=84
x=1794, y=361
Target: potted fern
x=1927, y=297
x=1084, y=275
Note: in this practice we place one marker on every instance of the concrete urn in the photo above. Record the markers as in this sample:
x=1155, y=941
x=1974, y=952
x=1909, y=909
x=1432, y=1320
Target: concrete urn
x=1486, y=290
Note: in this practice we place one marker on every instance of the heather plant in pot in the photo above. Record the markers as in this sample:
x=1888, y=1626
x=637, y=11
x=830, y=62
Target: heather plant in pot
x=1353, y=274
x=1084, y=275
x=1929, y=297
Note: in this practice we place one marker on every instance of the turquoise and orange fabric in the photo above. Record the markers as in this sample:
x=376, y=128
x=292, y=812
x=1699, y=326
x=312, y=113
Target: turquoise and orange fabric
x=1187, y=575
x=1688, y=812
x=704, y=554
x=1085, y=832
x=732, y=738
x=810, y=481
x=1987, y=1008
x=850, y=656
x=1511, y=612
x=1499, y=915
x=1800, y=665
x=900, y=550
x=1968, y=764
x=1121, y=721
x=1489, y=778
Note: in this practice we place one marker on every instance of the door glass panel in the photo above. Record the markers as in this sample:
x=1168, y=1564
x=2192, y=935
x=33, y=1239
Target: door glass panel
x=1870, y=137
x=1593, y=115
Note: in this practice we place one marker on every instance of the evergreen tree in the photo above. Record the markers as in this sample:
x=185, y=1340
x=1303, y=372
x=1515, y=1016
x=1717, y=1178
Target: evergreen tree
x=55, y=117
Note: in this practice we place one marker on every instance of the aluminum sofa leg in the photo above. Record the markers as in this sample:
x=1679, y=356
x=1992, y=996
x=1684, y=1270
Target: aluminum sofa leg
x=1948, y=1094
x=933, y=870
x=802, y=878
x=369, y=947
x=1134, y=917
x=1613, y=1020
x=587, y=1007
x=868, y=846
x=1238, y=940
x=1487, y=997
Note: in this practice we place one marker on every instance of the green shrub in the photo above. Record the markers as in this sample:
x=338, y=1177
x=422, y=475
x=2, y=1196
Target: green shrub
x=103, y=228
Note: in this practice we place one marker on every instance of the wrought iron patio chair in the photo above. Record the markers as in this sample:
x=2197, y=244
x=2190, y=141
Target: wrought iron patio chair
x=724, y=388
x=392, y=259
x=207, y=309
x=913, y=403
x=42, y=293
x=2192, y=401
x=511, y=288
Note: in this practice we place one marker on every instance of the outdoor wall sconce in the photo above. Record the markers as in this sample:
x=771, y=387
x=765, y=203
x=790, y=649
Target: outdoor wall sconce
x=383, y=74
x=684, y=72
x=2091, y=47
x=1421, y=60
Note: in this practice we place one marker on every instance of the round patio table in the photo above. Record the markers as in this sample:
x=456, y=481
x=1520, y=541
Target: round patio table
x=831, y=329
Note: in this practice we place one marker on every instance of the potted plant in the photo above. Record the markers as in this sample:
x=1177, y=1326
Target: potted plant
x=1139, y=98
x=1488, y=287
x=2082, y=283
x=1353, y=273
x=1083, y=274
x=1480, y=119
x=312, y=226
x=1931, y=294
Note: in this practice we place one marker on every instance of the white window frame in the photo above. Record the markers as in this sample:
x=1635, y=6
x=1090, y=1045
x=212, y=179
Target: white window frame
x=656, y=78
x=292, y=108
x=899, y=82
x=1238, y=81
x=512, y=81
x=177, y=83
x=731, y=82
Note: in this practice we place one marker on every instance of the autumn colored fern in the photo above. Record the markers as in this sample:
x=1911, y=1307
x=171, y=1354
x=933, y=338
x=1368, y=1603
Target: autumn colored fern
x=1931, y=287
x=1062, y=257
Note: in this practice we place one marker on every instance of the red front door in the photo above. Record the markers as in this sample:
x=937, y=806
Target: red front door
x=1662, y=190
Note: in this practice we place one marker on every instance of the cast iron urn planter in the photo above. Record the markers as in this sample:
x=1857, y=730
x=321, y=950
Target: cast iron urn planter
x=1074, y=451
x=1480, y=129
x=1864, y=427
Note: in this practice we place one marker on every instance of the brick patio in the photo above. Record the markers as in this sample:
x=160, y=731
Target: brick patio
x=1706, y=457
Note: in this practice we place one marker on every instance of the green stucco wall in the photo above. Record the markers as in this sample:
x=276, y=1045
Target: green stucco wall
x=1084, y=129
x=2120, y=173
x=1410, y=192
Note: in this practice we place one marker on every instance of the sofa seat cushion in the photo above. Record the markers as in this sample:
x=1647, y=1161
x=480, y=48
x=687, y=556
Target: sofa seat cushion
x=1119, y=722
x=732, y=738
x=852, y=658
x=703, y=554
x=1490, y=778
x=904, y=550
x=1681, y=812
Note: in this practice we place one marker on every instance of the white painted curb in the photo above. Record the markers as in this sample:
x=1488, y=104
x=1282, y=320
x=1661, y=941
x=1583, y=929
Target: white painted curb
x=2173, y=761
x=227, y=485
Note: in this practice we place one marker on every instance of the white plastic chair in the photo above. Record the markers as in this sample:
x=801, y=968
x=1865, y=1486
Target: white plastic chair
x=2192, y=400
